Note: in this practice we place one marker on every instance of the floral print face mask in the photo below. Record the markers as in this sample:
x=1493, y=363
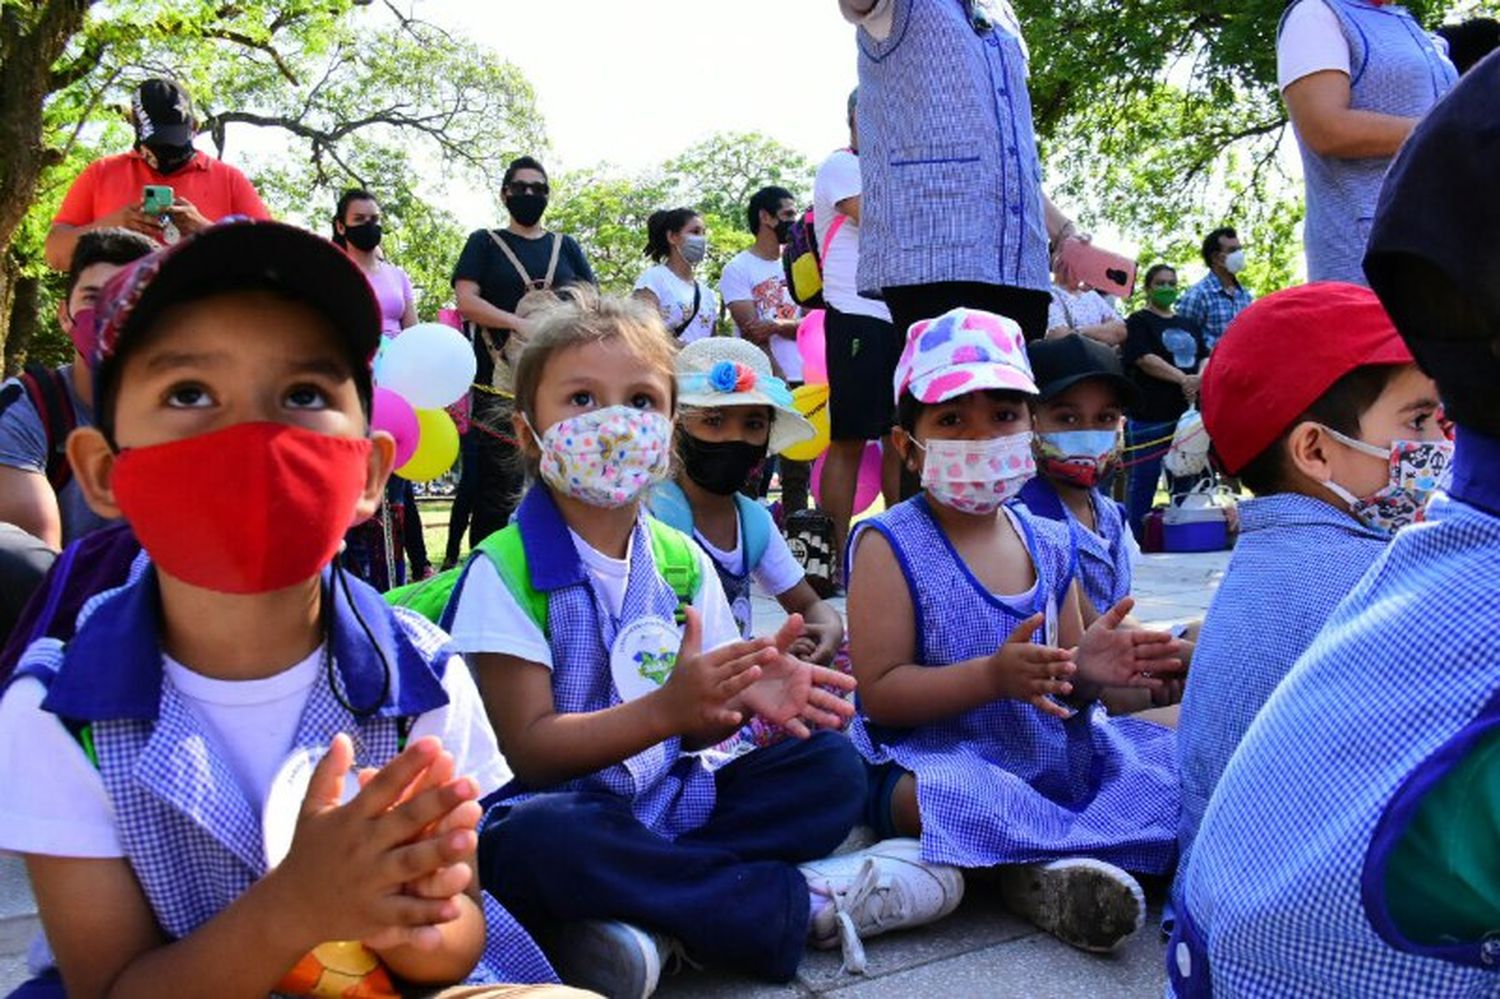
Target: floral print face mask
x=977, y=477
x=1415, y=468
x=607, y=457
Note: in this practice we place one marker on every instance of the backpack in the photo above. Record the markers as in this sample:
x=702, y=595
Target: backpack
x=47, y=388
x=803, y=262
x=673, y=552
x=670, y=505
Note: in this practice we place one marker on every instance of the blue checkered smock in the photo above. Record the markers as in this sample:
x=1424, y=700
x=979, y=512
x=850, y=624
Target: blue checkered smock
x=1284, y=892
x=1296, y=559
x=1104, y=567
x=952, y=180
x=671, y=792
x=191, y=837
x=1004, y=783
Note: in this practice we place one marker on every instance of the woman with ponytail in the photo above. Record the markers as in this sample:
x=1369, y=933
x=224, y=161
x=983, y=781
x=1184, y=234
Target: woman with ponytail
x=677, y=240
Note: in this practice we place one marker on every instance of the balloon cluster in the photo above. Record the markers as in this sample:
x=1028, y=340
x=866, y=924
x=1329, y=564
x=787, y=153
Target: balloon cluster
x=417, y=373
x=811, y=400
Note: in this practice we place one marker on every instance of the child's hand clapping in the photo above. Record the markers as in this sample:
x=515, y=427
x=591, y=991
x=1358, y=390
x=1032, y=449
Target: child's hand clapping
x=347, y=874
x=1029, y=672
x=699, y=693
x=793, y=693
x=1113, y=656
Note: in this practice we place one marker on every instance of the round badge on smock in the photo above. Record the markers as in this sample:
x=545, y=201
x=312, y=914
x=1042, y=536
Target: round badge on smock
x=643, y=655
x=283, y=803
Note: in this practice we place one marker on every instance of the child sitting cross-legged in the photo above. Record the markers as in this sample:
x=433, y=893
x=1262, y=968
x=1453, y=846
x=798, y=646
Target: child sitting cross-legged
x=990, y=744
x=610, y=664
x=245, y=773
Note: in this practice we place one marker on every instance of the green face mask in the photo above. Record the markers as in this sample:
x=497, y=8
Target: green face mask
x=1164, y=297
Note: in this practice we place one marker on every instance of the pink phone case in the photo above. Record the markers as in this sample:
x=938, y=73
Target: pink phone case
x=1100, y=268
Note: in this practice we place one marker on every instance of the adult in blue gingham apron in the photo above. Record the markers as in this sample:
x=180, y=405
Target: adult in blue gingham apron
x=1284, y=892
x=1104, y=568
x=178, y=805
x=1395, y=69
x=1005, y=783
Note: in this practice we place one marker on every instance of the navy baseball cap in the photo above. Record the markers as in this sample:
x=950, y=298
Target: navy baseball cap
x=1433, y=257
x=1062, y=362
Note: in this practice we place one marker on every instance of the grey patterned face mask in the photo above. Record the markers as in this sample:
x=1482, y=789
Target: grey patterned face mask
x=694, y=248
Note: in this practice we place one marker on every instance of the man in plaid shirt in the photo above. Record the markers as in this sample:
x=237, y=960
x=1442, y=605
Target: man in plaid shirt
x=1214, y=302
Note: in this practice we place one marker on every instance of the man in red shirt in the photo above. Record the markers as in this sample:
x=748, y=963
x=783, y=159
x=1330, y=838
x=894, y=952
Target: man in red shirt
x=110, y=191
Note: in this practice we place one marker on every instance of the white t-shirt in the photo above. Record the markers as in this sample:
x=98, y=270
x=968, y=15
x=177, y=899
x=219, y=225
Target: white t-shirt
x=749, y=278
x=1085, y=307
x=778, y=571
x=838, y=178
x=55, y=803
x=488, y=618
x=1311, y=41
x=674, y=296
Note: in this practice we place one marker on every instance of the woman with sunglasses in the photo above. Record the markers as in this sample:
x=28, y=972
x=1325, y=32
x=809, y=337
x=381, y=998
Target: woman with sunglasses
x=497, y=268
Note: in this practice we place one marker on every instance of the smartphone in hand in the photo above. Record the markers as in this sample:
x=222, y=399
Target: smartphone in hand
x=156, y=199
x=1097, y=267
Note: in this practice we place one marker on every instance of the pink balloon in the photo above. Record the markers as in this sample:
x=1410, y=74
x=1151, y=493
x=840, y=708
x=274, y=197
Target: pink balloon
x=394, y=415
x=813, y=346
x=866, y=489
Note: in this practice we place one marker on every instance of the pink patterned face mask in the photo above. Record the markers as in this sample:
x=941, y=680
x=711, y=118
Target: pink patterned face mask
x=606, y=457
x=977, y=476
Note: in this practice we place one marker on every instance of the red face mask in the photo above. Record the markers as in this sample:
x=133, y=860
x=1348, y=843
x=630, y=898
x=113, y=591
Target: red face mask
x=252, y=508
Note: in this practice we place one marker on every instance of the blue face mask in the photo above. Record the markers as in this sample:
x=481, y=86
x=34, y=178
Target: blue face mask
x=1078, y=457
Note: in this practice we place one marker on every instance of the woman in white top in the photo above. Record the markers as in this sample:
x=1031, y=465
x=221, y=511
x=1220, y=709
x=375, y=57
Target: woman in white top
x=677, y=240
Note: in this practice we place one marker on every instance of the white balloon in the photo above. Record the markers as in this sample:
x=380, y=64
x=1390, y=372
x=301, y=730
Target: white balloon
x=429, y=364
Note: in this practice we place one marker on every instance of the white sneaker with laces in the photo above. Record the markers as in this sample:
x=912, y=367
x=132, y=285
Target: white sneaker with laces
x=885, y=887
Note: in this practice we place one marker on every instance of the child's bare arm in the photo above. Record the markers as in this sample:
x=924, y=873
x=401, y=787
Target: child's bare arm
x=546, y=746
x=882, y=624
x=821, y=622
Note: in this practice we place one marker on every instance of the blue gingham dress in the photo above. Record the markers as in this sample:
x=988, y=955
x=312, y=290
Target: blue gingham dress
x=1299, y=556
x=671, y=792
x=193, y=840
x=1104, y=568
x=1283, y=895
x=1005, y=783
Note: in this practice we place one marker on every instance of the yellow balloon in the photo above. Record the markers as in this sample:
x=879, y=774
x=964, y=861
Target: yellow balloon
x=812, y=402
x=437, y=447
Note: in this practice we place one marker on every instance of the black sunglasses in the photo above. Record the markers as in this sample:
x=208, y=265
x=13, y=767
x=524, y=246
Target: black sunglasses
x=527, y=187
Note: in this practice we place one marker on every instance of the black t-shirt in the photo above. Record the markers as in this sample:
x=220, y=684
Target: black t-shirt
x=1177, y=341
x=499, y=284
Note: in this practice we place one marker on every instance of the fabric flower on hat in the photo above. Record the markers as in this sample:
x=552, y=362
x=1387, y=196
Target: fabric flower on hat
x=723, y=376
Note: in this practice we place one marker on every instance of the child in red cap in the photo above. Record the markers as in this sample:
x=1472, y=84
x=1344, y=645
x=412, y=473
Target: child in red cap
x=1341, y=448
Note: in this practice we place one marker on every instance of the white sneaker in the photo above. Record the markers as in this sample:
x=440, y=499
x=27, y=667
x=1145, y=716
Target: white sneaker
x=1087, y=903
x=872, y=891
x=614, y=959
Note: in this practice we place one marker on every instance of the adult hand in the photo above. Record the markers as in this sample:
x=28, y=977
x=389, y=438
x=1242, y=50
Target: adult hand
x=760, y=331
x=131, y=217
x=186, y=216
x=1190, y=386
x=1064, y=275
x=522, y=329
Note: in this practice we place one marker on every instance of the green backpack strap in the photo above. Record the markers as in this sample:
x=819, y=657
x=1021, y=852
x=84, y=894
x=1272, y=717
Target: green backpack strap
x=507, y=553
x=676, y=558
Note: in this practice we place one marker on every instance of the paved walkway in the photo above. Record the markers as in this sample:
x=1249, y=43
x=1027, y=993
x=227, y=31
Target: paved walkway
x=979, y=951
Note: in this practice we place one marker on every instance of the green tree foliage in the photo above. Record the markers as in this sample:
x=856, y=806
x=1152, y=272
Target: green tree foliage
x=1163, y=117
x=360, y=97
x=607, y=211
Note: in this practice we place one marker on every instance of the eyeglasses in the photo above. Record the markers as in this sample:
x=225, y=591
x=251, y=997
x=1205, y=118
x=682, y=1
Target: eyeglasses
x=527, y=187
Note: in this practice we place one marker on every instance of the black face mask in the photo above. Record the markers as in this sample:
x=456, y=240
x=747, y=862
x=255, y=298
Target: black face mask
x=526, y=209
x=170, y=159
x=784, y=230
x=364, y=237
x=721, y=467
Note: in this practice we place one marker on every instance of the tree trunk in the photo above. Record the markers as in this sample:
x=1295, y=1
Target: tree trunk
x=33, y=36
x=24, y=291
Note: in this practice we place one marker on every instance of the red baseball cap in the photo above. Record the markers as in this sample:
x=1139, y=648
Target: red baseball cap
x=1281, y=354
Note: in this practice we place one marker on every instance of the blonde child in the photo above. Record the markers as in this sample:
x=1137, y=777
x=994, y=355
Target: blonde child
x=609, y=660
x=989, y=745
